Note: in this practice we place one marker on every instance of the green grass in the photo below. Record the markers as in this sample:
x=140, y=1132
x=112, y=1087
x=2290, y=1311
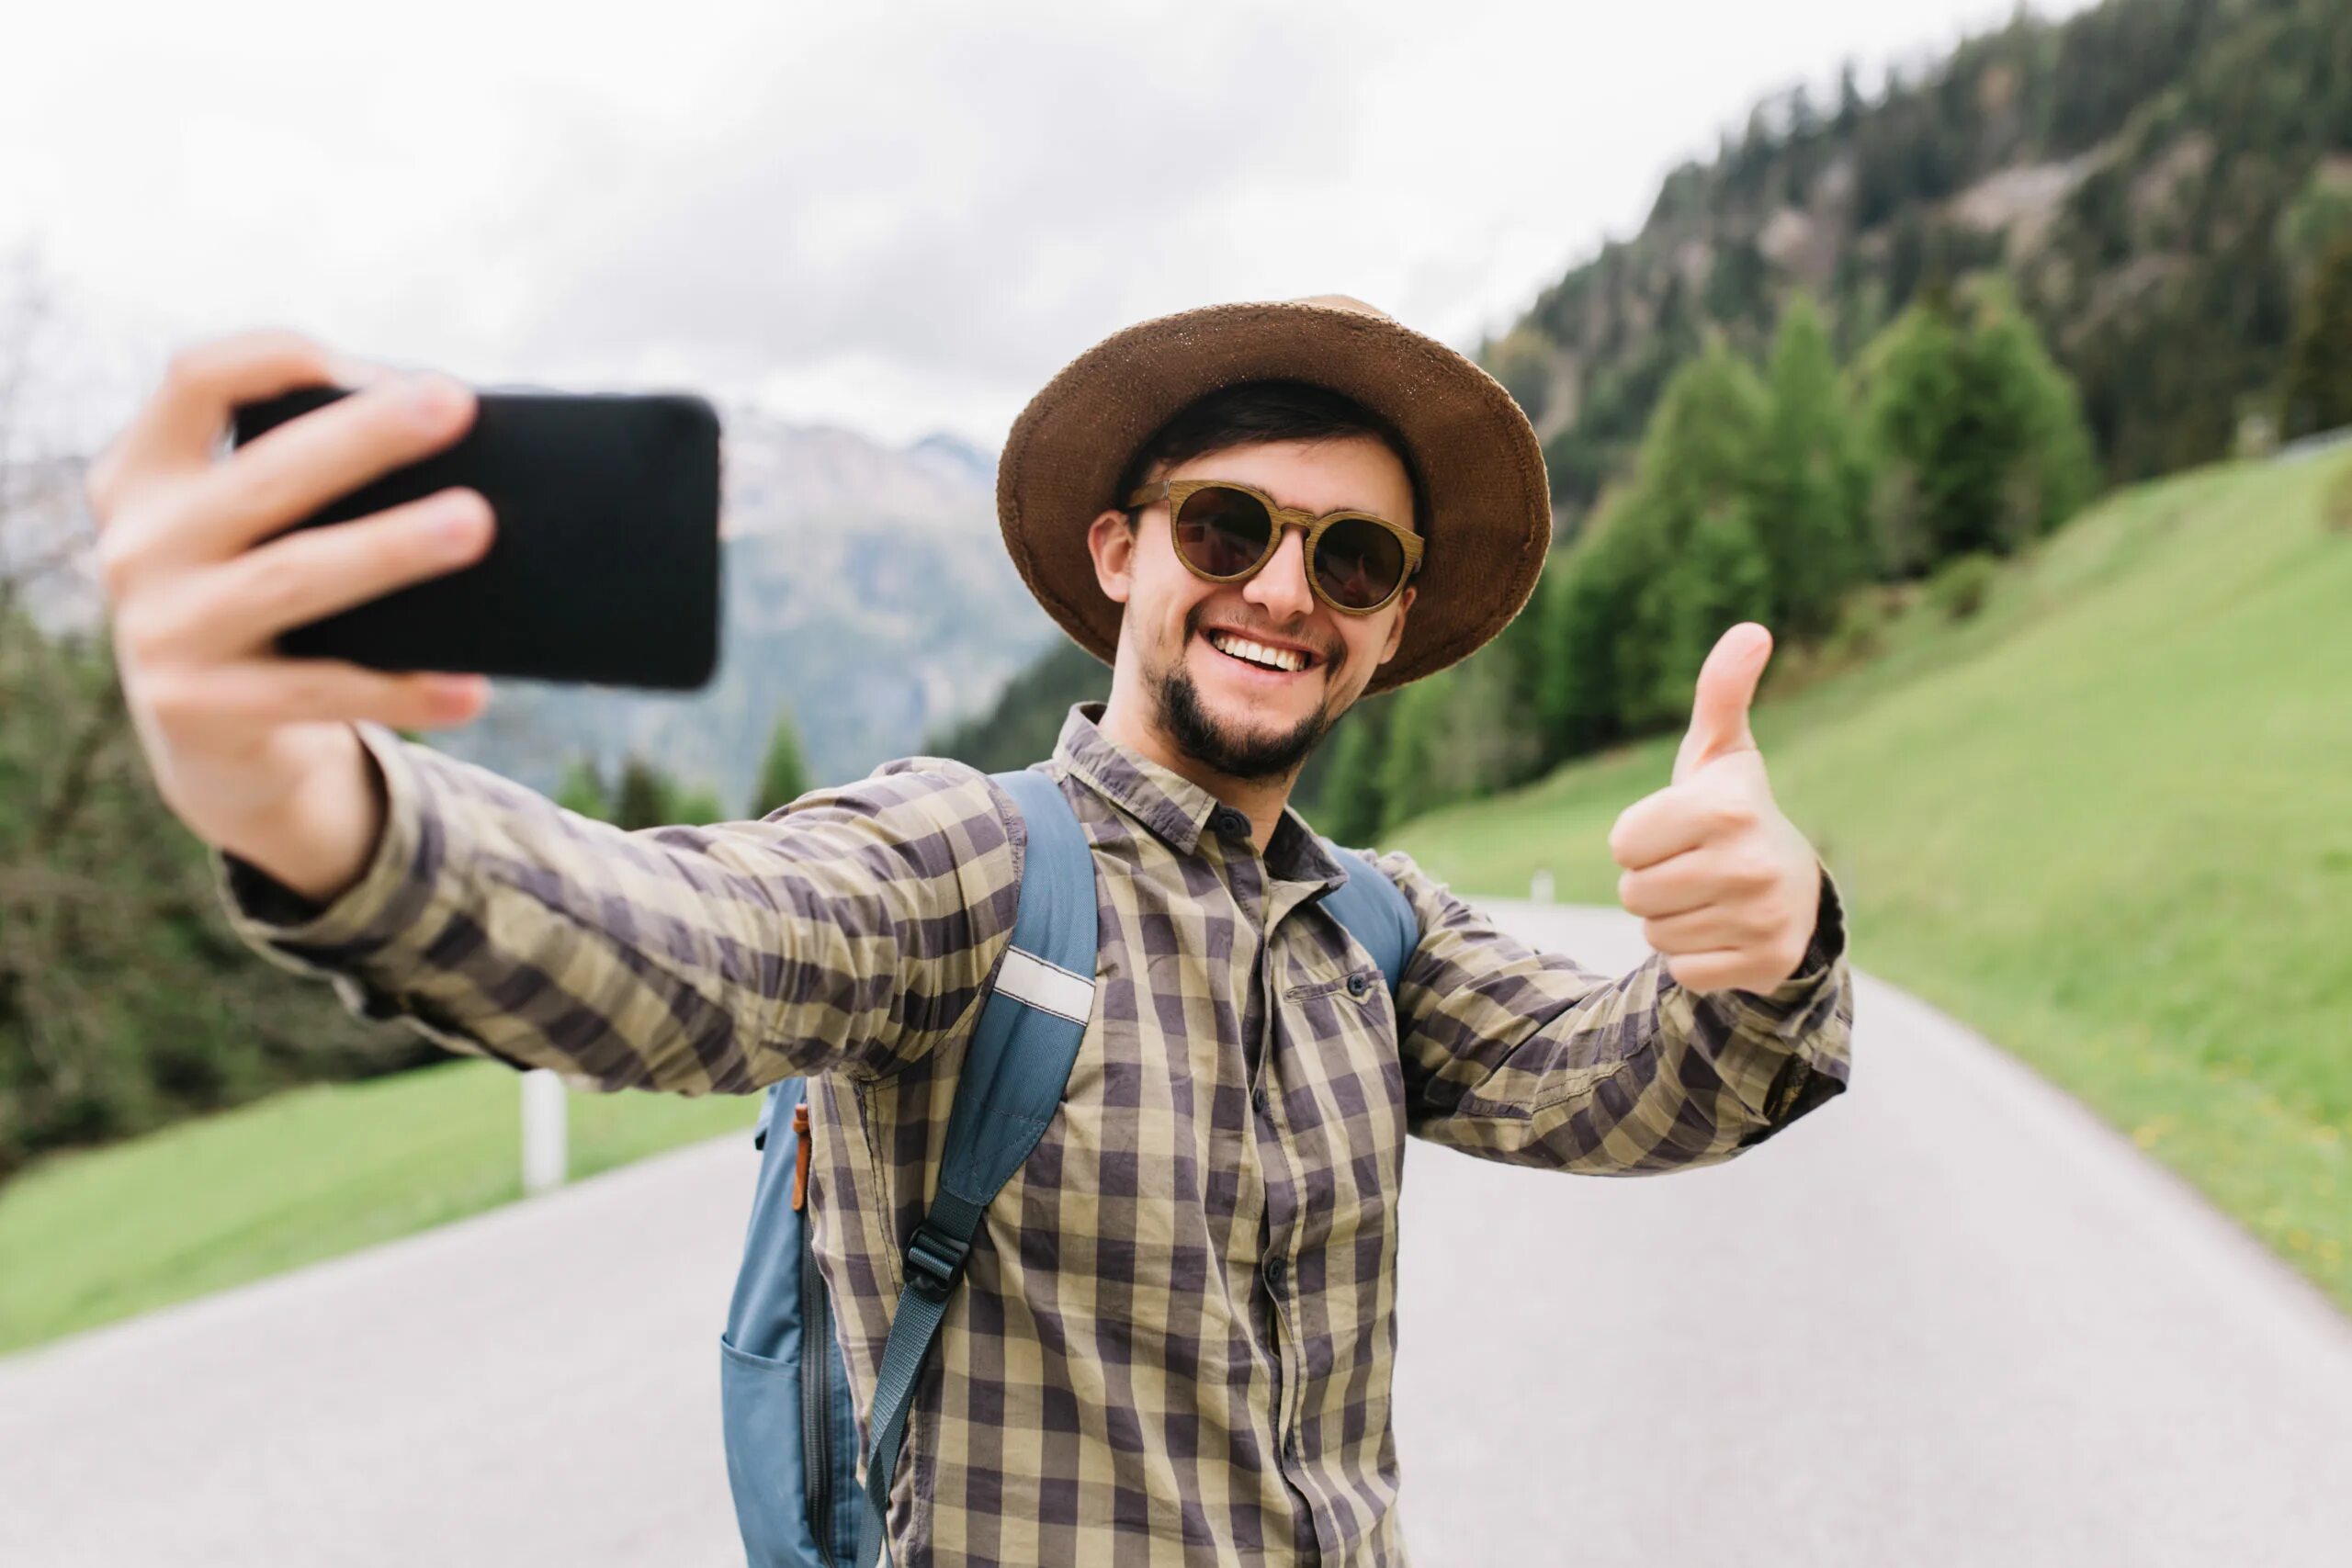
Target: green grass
x=2108, y=823
x=87, y=1239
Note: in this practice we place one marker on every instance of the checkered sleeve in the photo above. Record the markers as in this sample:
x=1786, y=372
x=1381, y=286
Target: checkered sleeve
x=1528, y=1058
x=851, y=929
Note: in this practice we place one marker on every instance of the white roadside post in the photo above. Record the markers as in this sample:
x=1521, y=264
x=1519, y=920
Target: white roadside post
x=544, y=1156
x=1540, y=891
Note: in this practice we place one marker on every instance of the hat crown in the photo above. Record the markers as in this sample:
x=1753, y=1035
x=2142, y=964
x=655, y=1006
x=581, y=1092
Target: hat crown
x=1343, y=302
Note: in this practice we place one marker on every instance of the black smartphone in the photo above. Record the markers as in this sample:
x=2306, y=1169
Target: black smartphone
x=604, y=564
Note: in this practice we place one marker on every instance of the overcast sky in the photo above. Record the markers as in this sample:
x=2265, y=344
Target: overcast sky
x=896, y=217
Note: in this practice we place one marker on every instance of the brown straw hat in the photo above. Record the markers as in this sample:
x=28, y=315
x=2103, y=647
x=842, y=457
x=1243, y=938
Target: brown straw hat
x=1485, y=508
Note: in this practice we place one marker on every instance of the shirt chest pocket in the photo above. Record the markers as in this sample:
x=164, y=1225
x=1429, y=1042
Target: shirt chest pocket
x=1354, y=985
x=1341, y=1029
x=1344, y=1016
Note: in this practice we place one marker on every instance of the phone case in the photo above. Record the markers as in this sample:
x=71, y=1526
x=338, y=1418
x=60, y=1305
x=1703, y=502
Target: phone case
x=604, y=566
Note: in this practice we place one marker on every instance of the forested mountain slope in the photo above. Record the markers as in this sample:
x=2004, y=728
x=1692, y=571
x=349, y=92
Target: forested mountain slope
x=2155, y=175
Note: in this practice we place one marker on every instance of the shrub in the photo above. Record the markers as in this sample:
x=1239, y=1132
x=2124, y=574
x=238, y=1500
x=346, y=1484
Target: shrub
x=1861, y=632
x=2336, y=502
x=1961, y=585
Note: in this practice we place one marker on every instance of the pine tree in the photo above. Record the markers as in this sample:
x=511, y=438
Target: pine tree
x=1695, y=556
x=784, y=777
x=1721, y=578
x=1348, y=810
x=1849, y=102
x=1582, y=680
x=1408, y=762
x=644, y=796
x=1982, y=435
x=1516, y=662
x=2053, y=472
x=1912, y=371
x=583, y=790
x=2317, y=392
x=698, y=805
x=1483, y=737
x=1522, y=360
x=1701, y=447
x=1811, y=485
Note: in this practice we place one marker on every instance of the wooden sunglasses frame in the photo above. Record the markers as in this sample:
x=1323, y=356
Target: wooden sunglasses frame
x=1177, y=491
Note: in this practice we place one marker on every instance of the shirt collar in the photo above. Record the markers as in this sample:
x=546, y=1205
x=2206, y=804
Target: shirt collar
x=1178, y=811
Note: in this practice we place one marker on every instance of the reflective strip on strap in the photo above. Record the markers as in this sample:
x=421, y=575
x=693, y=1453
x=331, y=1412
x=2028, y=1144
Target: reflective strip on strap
x=1046, y=987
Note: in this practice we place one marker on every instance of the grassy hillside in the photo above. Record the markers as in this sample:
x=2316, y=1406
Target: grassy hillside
x=2108, y=822
x=86, y=1238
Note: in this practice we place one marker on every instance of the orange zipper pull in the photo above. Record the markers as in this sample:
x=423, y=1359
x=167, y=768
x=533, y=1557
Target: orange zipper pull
x=800, y=1168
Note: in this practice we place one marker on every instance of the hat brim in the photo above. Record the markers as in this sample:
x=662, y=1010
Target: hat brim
x=1485, y=511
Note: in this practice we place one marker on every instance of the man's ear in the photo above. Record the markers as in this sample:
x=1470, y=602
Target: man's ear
x=1113, y=544
x=1396, y=631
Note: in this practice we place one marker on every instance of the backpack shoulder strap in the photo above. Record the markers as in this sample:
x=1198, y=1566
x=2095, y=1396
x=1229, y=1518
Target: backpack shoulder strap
x=1376, y=912
x=1014, y=1072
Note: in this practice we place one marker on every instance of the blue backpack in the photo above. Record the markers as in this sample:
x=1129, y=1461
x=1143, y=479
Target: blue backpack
x=791, y=1428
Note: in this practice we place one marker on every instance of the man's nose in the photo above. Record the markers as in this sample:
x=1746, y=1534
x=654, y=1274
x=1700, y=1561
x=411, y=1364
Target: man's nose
x=1280, y=588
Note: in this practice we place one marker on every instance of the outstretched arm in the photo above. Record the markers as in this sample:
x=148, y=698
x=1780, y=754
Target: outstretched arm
x=1740, y=1021
x=1529, y=1058
x=851, y=931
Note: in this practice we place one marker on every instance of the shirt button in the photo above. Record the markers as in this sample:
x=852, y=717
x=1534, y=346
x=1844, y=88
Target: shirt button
x=1290, y=1447
x=1231, y=822
x=1357, y=984
x=1275, y=1275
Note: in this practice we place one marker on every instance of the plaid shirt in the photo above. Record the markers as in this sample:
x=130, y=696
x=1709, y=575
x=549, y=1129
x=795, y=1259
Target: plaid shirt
x=1176, y=1338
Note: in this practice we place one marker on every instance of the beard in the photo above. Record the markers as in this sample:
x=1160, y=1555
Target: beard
x=1198, y=734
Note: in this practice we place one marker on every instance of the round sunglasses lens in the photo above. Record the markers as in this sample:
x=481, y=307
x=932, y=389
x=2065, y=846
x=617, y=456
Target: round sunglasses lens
x=1221, y=532
x=1359, y=563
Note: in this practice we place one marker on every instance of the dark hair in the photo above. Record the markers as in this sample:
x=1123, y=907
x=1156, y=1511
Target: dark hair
x=1254, y=411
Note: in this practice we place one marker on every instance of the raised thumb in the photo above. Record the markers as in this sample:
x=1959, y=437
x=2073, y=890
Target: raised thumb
x=1726, y=688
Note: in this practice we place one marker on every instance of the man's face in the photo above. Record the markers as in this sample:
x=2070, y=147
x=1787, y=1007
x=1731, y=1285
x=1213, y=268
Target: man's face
x=1231, y=716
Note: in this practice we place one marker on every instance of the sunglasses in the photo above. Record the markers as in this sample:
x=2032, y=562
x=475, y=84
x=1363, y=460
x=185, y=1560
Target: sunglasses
x=1225, y=531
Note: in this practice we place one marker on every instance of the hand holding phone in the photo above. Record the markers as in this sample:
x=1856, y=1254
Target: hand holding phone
x=208, y=567
x=605, y=567
x=256, y=752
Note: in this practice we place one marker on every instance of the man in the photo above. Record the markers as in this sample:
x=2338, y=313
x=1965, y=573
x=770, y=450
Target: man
x=1175, y=1343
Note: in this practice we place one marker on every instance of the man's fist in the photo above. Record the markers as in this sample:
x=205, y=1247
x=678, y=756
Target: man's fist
x=1728, y=889
x=254, y=751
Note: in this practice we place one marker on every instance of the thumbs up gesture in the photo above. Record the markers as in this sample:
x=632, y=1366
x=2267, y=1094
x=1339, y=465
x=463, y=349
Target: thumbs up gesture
x=1727, y=888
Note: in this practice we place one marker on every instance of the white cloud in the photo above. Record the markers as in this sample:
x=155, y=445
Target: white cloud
x=898, y=217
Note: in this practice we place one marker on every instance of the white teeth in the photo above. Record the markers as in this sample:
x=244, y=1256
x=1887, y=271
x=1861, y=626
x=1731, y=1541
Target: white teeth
x=1258, y=654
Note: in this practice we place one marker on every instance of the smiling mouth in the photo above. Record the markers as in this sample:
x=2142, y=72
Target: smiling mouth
x=1263, y=657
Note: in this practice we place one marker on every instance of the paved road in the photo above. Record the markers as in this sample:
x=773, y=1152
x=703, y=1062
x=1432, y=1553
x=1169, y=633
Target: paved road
x=1950, y=1320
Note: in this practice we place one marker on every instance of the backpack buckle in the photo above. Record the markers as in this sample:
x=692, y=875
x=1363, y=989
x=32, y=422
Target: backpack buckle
x=935, y=1261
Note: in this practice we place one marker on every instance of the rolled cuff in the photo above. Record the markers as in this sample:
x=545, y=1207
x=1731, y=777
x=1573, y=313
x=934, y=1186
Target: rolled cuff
x=1789, y=1049
x=377, y=933
x=265, y=912
x=1786, y=1007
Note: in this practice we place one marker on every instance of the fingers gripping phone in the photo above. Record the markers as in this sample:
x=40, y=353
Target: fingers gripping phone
x=604, y=567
